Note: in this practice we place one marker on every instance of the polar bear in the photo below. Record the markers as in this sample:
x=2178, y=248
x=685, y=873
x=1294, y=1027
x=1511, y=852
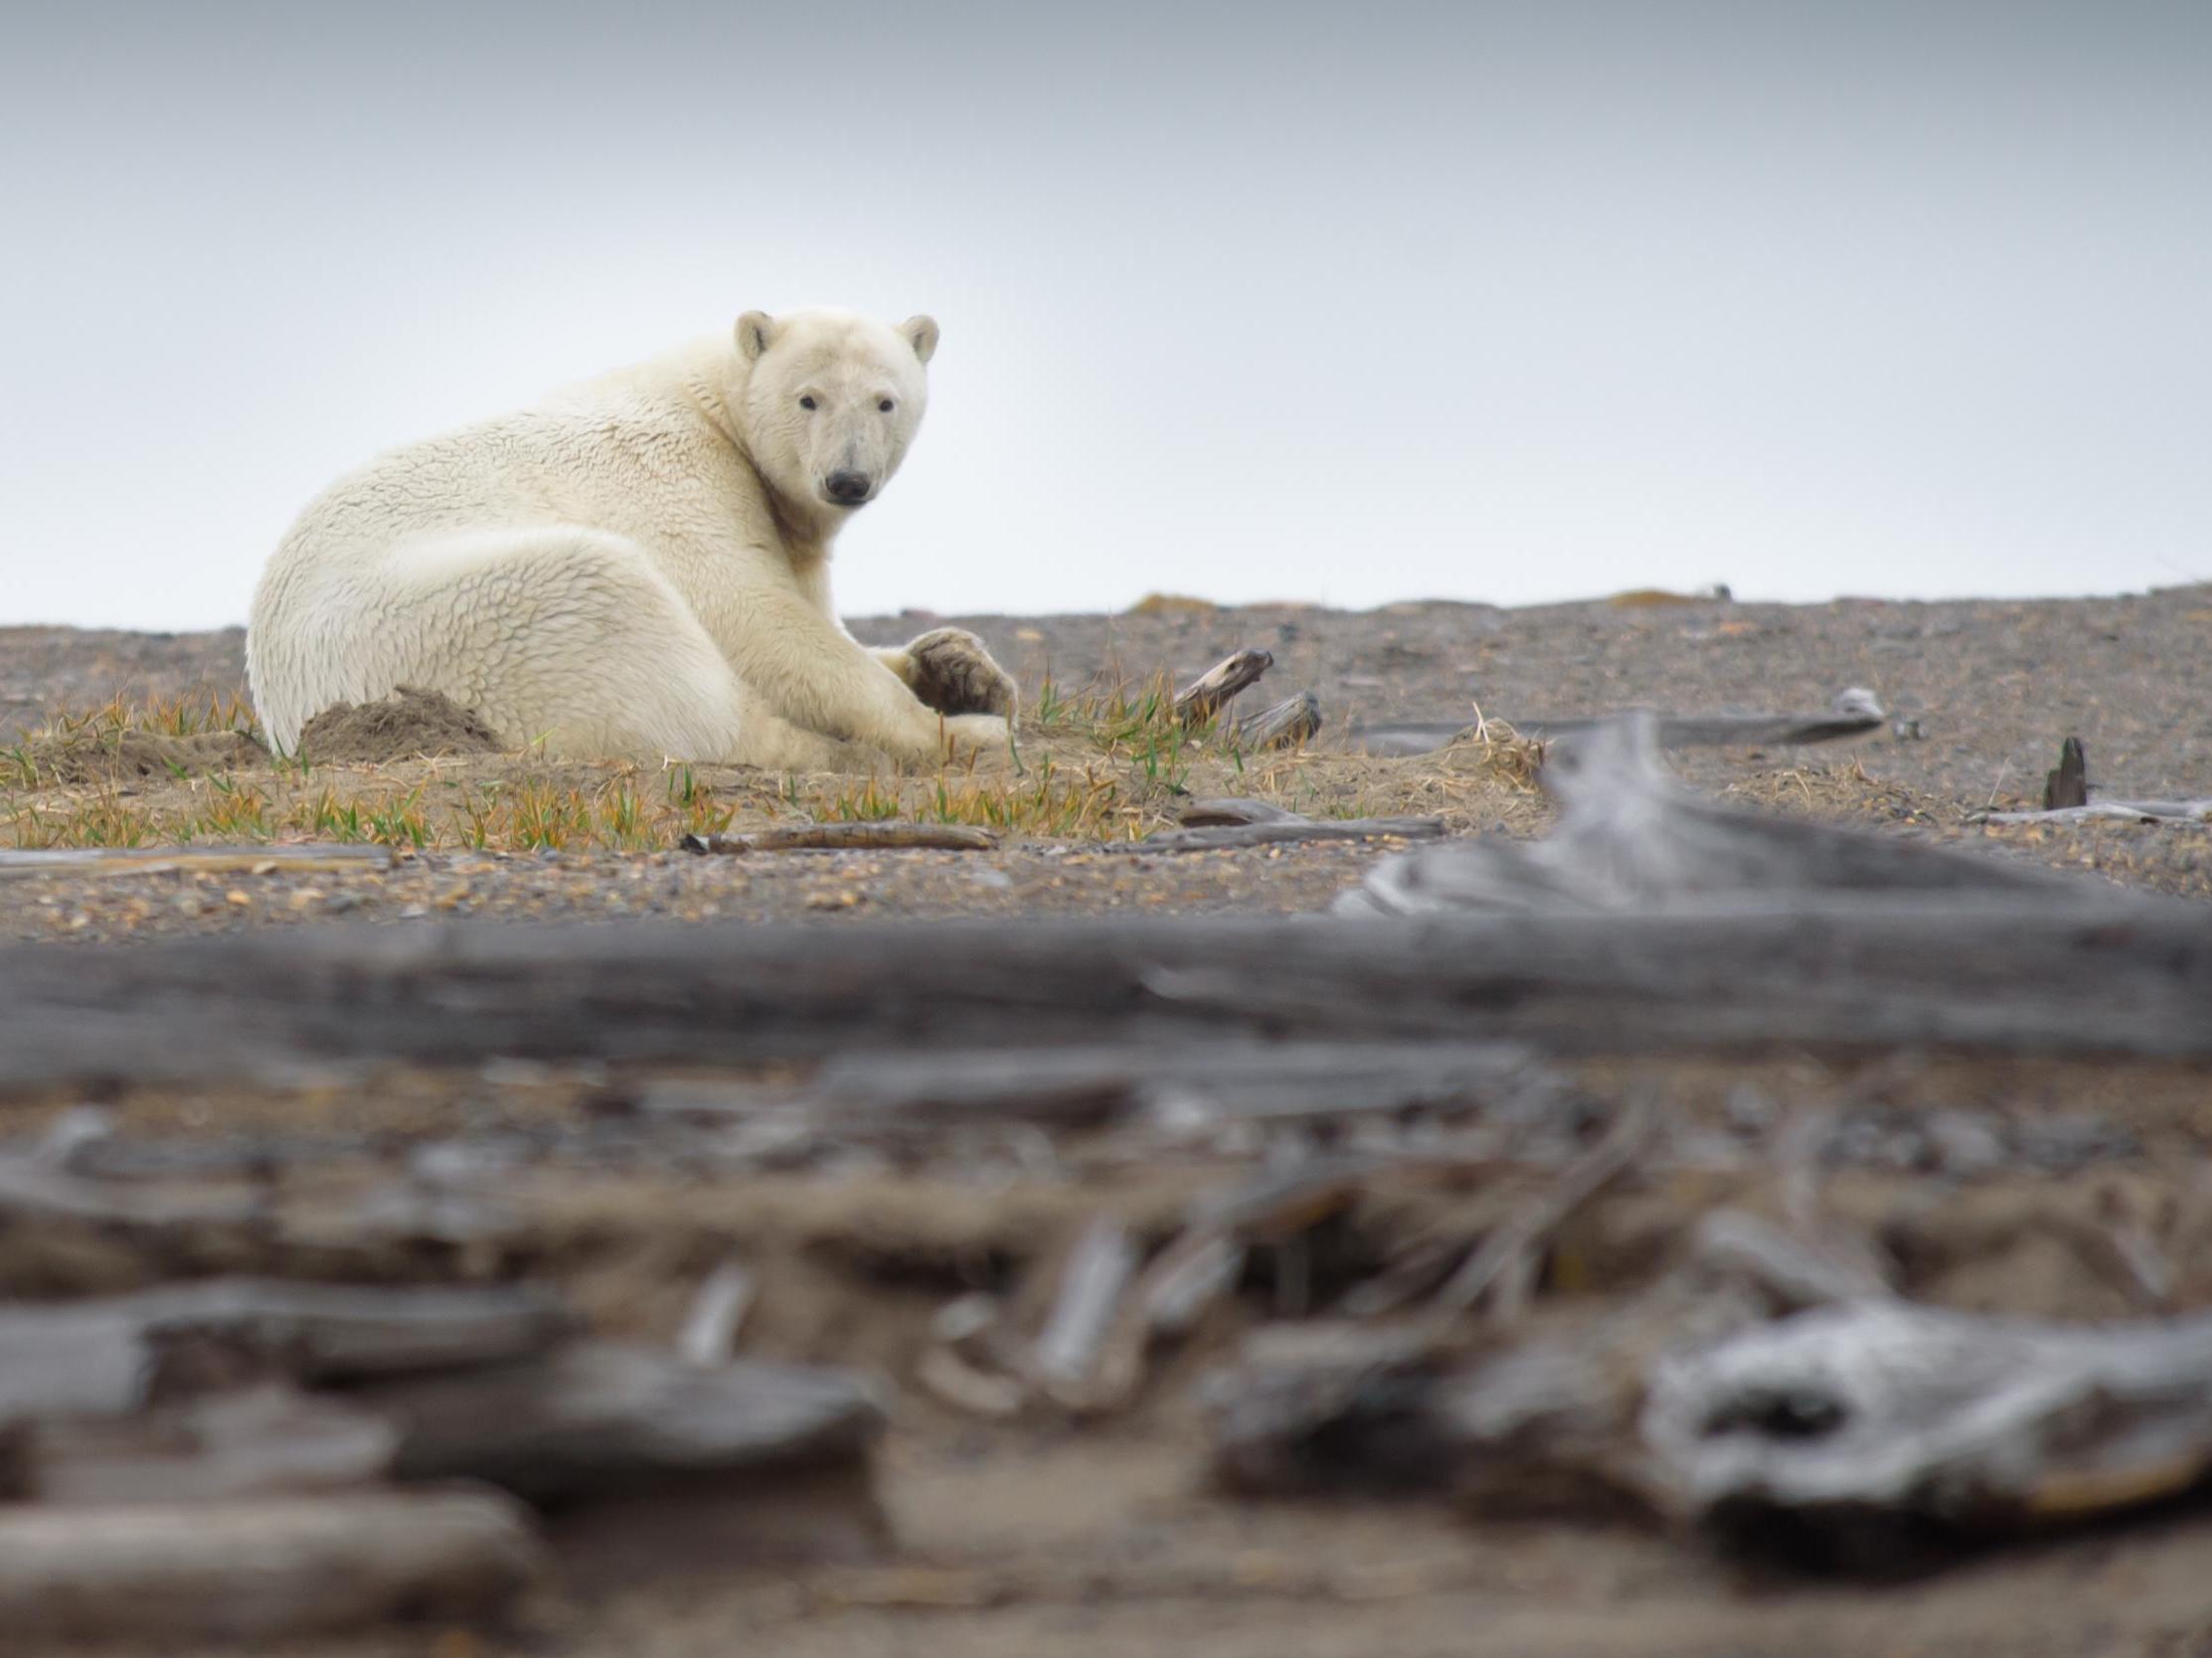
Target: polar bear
x=638, y=566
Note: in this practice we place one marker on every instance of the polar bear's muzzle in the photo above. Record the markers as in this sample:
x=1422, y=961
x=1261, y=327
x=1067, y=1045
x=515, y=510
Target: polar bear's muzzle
x=847, y=489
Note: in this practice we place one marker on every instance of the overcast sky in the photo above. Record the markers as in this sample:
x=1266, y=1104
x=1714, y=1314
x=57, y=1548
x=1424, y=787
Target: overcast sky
x=1331, y=301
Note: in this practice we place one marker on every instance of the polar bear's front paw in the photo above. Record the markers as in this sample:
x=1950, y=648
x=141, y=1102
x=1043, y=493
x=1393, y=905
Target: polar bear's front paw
x=954, y=674
x=983, y=735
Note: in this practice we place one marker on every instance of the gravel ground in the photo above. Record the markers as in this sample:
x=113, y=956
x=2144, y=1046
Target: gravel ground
x=1993, y=686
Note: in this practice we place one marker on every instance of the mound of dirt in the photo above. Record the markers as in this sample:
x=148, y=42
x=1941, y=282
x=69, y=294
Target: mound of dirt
x=80, y=757
x=407, y=725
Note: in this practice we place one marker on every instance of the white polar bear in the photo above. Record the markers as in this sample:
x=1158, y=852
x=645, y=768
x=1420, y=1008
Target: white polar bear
x=638, y=566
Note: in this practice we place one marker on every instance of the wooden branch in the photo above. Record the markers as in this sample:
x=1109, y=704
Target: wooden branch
x=1203, y=697
x=117, y=1352
x=1854, y=714
x=1629, y=837
x=2114, y=811
x=1207, y=814
x=710, y=1332
x=1091, y=1084
x=160, y=860
x=601, y=1417
x=1861, y=970
x=1222, y=837
x=1093, y=1281
x=1523, y=1235
x=1284, y=725
x=260, y=1569
x=250, y=1442
x=848, y=837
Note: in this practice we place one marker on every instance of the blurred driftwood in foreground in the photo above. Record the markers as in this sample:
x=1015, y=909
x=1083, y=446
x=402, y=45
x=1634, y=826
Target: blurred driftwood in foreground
x=259, y=1568
x=2011, y=971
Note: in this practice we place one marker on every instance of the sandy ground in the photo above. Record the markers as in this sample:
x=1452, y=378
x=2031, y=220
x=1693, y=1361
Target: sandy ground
x=1052, y=1540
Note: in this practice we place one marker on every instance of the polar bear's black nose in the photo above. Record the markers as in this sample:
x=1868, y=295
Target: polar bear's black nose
x=848, y=488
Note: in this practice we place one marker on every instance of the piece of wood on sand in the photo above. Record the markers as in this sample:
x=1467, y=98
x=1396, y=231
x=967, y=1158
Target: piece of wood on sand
x=1203, y=697
x=260, y=1569
x=601, y=1419
x=114, y=1353
x=1285, y=725
x=1278, y=832
x=1227, y=810
x=848, y=837
x=1090, y=1084
x=1504, y=1265
x=1999, y=961
x=1876, y=1406
x=253, y=1441
x=158, y=860
x=1630, y=838
x=1855, y=712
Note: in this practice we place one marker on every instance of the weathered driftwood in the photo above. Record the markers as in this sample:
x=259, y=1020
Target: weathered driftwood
x=848, y=837
x=2066, y=783
x=1285, y=725
x=1283, y=832
x=1546, y=1423
x=34, y=1189
x=1628, y=837
x=1096, y=1273
x=153, y=860
x=1855, y=712
x=2114, y=812
x=1503, y=1265
x=1234, y=810
x=1204, y=697
x=259, y=1568
x=710, y=1332
x=1879, y=1407
x=245, y=1442
x=601, y=1417
x=117, y=1352
x=1871, y=969
x=1089, y=1084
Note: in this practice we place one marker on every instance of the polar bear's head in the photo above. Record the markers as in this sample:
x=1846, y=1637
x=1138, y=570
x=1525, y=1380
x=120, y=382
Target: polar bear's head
x=831, y=402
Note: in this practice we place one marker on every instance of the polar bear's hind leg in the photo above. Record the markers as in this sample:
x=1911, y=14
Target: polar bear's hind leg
x=559, y=637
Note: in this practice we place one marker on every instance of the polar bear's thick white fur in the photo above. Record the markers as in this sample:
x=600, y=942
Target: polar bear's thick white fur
x=636, y=565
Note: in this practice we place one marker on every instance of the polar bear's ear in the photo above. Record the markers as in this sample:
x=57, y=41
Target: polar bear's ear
x=756, y=331
x=922, y=334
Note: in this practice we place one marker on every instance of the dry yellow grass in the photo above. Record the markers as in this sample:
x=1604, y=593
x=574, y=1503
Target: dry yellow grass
x=1106, y=763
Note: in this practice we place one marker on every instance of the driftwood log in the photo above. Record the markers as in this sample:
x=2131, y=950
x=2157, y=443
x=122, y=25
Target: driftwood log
x=2112, y=811
x=1285, y=725
x=155, y=860
x=2016, y=970
x=116, y=1354
x=260, y=1569
x=1854, y=713
x=603, y=1418
x=1284, y=831
x=1203, y=699
x=245, y=1442
x=847, y=837
x=1629, y=838
x=1879, y=1407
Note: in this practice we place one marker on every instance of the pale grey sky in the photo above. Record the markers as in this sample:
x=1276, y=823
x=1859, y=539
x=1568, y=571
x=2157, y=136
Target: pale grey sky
x=1310, y=300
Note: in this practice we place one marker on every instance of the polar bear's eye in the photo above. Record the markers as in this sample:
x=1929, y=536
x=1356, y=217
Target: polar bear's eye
x=885, y=406
x=807, y=403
